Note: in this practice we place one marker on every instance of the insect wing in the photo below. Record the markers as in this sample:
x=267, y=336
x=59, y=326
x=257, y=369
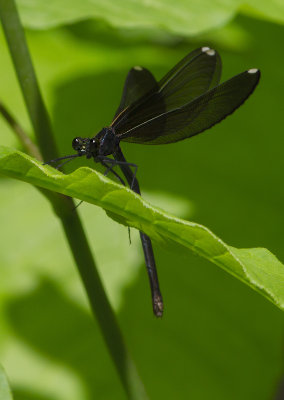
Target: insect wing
x=198, y=115
x=194, y=75
x=138, y=82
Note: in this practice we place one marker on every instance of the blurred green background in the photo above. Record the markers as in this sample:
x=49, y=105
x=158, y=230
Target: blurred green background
x=218, y=339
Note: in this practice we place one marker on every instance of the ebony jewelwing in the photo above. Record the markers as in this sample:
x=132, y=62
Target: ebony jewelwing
x=186, y=101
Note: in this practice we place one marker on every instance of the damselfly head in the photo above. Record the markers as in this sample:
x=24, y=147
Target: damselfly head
x=85, y=146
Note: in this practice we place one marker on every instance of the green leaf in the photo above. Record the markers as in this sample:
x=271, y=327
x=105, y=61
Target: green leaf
x=179, y=17
x=258, y=268
x=5, y=392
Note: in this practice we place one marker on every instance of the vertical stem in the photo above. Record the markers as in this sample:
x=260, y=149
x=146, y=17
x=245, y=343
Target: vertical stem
x=64, y=207
x=101, y=306
x=27, y=78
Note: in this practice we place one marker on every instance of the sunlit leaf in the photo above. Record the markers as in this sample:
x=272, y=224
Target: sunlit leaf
x=179, y=17
x=258, y=268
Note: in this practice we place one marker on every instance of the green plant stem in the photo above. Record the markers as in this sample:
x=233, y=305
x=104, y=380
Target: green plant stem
x=27, y=78
x=64, y=206
x=28, y=144
x=99, y=302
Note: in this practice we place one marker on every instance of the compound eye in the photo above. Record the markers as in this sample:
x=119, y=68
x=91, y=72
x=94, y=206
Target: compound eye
x=93, y=144
x=77, y=143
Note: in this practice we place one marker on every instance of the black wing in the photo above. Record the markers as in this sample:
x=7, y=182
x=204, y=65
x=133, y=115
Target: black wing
x=197, y=115
x=194, y=75
x=138, y=82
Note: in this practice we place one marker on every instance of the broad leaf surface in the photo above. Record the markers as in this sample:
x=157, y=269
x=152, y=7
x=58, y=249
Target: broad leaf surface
x=258, y=268
x=179, y=17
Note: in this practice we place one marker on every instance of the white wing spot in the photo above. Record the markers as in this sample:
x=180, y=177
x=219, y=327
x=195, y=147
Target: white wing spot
x=137, y=68
x=210, y=52
x=204, y=49
x=253, y=71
